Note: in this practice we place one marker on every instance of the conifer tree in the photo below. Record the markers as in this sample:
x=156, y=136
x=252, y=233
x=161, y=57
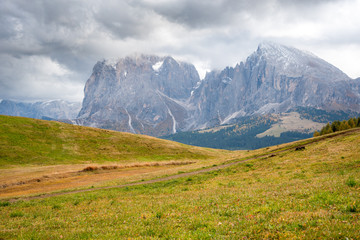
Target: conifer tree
x=351, y=123
x=344, y=125
x=335, y=126
x=316, y=134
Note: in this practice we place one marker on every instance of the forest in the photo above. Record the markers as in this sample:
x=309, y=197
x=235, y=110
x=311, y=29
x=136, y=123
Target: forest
x=338, y=126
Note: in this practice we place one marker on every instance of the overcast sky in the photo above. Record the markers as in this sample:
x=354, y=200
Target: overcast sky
x=49, y=47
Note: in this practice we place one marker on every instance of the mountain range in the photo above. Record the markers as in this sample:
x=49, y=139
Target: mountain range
x=158, y=96
x=55, y=109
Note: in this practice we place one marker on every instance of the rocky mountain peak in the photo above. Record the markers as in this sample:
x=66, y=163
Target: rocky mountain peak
x=296, y=63
x=139, y=93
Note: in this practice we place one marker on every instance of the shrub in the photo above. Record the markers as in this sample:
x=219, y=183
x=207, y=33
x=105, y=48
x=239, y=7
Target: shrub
x=4, y=204
x=90, y=169
x=351, y=182
x=16, y=214
x=352, y=208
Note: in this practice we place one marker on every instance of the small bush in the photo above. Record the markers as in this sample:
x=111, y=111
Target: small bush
x=16, y=214
x=352, y=208
x=159, y=215
x=109, y=167
x=351, y=182
x=4, y=204
x=90, y=169
x=56, y=206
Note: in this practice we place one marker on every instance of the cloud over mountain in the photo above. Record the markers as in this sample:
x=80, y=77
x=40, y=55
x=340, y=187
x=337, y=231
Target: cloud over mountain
x=73, y=35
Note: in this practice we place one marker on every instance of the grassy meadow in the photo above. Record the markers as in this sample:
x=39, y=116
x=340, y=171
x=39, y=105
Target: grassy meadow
x=39, y=156
x=26, y=141
x=309, y=194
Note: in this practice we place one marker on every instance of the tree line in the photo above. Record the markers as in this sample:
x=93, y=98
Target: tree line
x=338, y=126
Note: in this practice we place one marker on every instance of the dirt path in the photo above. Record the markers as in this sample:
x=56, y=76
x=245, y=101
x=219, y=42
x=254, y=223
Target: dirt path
x=188, y=174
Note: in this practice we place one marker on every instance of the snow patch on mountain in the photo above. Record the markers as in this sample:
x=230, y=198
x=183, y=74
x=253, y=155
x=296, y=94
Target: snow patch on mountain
x=156, y=67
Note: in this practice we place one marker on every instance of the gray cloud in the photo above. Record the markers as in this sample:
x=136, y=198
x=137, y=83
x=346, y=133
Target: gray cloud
x=202, y=13
x=124, y=20
x=199, y=14
x=48, y=48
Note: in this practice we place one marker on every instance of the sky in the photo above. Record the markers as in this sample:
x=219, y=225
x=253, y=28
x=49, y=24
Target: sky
x=49, y=47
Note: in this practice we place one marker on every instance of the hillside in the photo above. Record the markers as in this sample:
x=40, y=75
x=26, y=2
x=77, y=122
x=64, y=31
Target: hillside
x=259, y=131
x=26, y=141
x=312, y=192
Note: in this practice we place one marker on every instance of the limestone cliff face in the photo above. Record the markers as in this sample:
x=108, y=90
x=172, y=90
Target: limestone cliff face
x=140, y=94
x=159, y=95
x=275, y=78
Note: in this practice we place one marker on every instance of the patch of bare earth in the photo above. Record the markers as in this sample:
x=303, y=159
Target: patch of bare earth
x=36, y=180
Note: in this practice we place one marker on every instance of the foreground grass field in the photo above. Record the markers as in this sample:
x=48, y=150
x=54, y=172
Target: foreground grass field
x=309, y=194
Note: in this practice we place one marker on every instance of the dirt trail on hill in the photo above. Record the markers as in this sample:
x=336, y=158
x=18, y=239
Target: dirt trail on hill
x=271, y=153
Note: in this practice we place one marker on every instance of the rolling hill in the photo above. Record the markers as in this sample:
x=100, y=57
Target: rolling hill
x=302, y=190
x=26, y=141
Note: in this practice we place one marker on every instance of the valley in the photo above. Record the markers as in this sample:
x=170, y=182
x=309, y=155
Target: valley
x=180, y=119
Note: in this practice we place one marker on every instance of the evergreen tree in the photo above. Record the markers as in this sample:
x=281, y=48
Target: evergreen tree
x=351, y=122
x=335, y=126
x=326, y=130
x=316, y=134
x=344, y=125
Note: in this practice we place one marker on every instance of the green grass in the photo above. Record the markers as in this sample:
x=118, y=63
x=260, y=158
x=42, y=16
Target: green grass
x=310, y=194
x=27, y=141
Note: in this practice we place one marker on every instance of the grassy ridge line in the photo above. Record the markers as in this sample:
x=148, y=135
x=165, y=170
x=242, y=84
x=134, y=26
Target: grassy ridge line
x=198, y=171
x=313, y=140
x=26, y=141
x=294, y=145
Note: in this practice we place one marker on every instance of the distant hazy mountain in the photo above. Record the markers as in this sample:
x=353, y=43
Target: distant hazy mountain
x=159, y=95
x=56, y=109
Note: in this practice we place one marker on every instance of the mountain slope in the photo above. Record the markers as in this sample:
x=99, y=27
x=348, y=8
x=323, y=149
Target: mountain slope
x=259, y=131
x=273, y=79
x=39, y=142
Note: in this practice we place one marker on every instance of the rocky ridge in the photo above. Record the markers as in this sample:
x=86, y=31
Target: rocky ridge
x=159, y=95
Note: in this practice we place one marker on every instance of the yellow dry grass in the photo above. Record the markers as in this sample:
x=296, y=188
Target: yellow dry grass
x=291, y=122
x=30, y=180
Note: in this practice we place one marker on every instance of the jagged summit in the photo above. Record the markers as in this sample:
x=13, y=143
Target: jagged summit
x=138, y=59
x=140, y=94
